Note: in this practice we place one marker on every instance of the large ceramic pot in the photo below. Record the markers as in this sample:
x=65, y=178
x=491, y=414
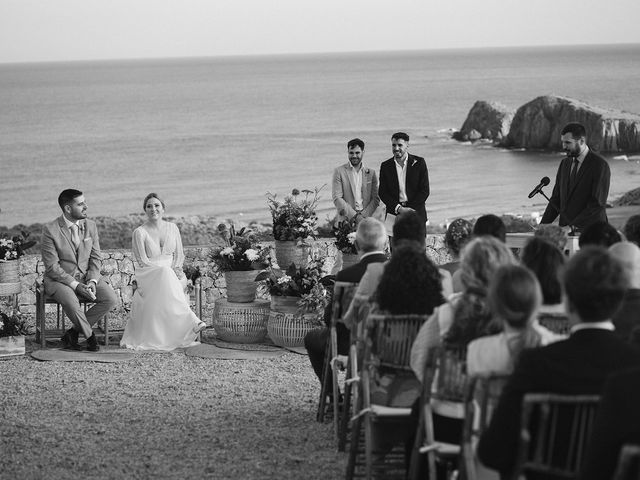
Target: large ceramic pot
x=292, y=251
x=241, y=286
x=287, y=326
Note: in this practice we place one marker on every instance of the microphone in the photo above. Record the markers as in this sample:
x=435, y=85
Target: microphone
x=543, y=183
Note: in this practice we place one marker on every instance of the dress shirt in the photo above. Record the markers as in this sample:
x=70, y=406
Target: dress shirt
x=401, y=170
x=68, y=223
x=606, y=325
x=580, y=158
x=356, y=177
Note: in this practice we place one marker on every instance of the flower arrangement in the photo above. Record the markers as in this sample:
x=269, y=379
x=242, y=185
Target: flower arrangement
x=345, y=233
x=303, y=282
x=294, y=218
x=12, y=325
x=240, y=251
x=13, y=248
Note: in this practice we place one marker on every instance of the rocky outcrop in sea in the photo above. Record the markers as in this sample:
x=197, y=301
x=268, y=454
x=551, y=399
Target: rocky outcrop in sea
x=538, y=123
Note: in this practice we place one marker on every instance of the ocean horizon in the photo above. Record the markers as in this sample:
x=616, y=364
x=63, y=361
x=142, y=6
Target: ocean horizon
x=213, y=135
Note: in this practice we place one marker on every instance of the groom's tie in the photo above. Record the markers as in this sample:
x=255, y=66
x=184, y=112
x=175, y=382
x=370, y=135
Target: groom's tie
x=75, y=237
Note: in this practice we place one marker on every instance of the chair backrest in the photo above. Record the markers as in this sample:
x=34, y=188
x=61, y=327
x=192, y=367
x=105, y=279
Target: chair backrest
x=343, y=293
x=451, y=379
x=628, y=463
x=392, y=337
x=554, y=432
x=556, y=322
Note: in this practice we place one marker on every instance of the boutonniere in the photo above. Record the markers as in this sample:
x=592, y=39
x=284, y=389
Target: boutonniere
x=414, y=162
x=366, y=171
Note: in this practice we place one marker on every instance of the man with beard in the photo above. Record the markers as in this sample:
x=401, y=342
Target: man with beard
x=582, y=183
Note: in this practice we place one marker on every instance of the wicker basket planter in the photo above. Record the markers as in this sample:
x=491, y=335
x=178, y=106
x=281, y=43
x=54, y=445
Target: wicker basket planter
x=287, y=326
x=241, y=286
x=10, y=275
x=241, y=322
x=10, y=346
x=292, y=251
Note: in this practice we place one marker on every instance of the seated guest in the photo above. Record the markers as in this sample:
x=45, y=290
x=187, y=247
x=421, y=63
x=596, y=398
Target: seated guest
x=410, y=284
x=371, y=240
x=617, y=422
x=632, y=229
x=554, y=234
x=466, y=316
x=599, y=233
x=546, y=262
x=514, y=298
x=627, y=319
x=407, y=226
x=491, y=225
x=594, y=284
x=458, y=234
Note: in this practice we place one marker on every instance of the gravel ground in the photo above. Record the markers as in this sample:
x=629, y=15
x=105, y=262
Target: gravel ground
x=164, y=415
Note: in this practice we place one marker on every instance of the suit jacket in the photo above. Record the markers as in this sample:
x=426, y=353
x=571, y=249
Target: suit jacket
x=617, y=423
x=576, y=366
x=61, y=260
x=417, y=185
x=343, y=192
x=586, y=202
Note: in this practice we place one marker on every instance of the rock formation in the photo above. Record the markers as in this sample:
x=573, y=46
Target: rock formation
x=486, y=120
x=537, y=125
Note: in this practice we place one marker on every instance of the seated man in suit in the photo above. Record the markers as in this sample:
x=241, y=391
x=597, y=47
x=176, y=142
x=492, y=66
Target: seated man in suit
x=617, y=423
x=371, y=240
x=595, y=285
x=627, y=319
x=355, y=188
x=71, y=256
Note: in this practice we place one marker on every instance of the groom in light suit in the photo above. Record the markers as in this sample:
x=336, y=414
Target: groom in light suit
x=72, y=260
x=354, y=187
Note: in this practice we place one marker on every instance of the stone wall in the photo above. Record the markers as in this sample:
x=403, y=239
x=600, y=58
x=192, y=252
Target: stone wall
x=117, y=267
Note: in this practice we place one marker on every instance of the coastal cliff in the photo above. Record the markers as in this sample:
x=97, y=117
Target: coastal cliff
x=538, y=123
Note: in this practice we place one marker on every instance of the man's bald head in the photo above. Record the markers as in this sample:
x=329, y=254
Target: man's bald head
x=628, y=254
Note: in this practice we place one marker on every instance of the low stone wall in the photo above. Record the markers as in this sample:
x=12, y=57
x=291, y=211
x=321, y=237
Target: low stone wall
x=117, y=267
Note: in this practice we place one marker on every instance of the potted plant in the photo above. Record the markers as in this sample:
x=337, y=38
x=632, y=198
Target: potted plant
x=294, y=223
x=11, y=249
x=345, y=233
x=298, y=299
x=13, y=328
x=238, y=258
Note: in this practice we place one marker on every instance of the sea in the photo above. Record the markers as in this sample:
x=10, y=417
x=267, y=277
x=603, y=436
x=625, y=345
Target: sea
x=212, y=136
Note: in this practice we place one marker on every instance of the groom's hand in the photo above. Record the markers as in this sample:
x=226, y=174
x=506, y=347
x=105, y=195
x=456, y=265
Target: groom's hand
x=85, y=291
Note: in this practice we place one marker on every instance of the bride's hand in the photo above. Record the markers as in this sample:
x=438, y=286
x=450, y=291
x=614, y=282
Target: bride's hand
x=179, y=272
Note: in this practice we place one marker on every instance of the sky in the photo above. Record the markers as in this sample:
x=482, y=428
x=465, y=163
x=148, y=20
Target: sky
x=63, y=30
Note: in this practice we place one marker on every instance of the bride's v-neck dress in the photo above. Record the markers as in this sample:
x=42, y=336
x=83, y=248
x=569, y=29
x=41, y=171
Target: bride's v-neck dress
x=161, y=318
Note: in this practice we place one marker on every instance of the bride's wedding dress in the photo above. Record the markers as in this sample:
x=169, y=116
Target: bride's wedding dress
x=161, y=318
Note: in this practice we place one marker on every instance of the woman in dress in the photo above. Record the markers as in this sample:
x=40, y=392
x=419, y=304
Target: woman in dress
x=161, y=318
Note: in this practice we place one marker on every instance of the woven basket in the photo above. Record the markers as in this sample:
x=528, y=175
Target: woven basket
x=241, y=322
x=290, y=251
x=10, y=271
x=287, y=326
x=241, y=286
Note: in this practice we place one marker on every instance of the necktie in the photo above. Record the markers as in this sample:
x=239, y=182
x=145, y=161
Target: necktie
x=574, y=173
x=75, y=237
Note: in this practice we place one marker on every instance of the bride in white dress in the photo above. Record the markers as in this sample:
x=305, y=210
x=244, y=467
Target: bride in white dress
x=161, y=318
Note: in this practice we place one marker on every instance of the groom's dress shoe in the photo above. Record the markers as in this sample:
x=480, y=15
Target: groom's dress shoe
x=70, y=340
x=92, y=343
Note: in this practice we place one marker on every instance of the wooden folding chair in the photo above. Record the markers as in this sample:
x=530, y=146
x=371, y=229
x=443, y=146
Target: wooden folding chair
x=388, y=347
x=342, y=295
x=444, y=382
x=481, y=400
x=554, y=432
x=628, y=463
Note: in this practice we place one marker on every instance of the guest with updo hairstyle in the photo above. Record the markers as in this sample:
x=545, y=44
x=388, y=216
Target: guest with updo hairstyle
x=554, y=234
x=514, y=298
x=458, y=234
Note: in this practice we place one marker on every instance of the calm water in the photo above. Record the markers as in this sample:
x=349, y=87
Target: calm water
x=213, y=135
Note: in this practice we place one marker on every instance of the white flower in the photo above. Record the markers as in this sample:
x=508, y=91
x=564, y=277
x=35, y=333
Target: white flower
x=351, y=237
x=227, y=252
x=284, y=279
x=251, y=254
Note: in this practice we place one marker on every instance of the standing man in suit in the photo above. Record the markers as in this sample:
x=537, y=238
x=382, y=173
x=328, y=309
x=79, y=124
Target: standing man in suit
x=354, y=187
x=371, y=240
x=594, y=283
x=404, y=179
x=582, y=183
x=71, y=256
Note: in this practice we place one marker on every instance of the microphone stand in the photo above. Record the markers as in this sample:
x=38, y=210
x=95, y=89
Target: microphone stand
x=572, y=232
